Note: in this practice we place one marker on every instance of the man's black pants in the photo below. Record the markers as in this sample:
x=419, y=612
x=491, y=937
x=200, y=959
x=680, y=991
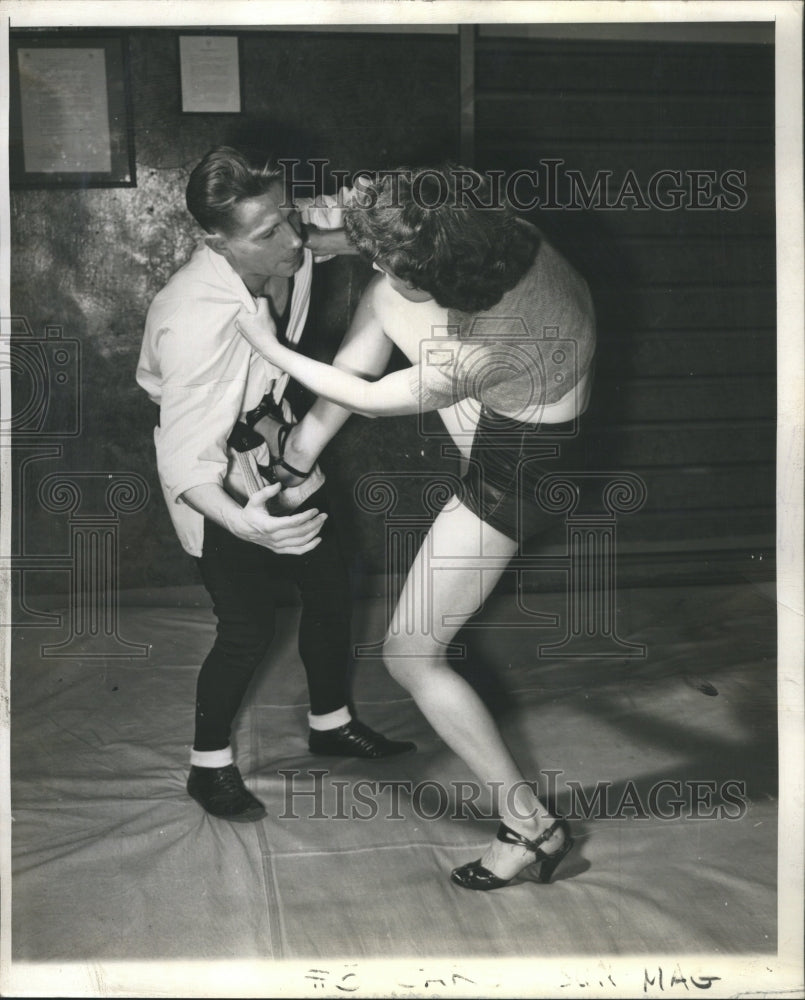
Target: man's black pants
x=240, y=577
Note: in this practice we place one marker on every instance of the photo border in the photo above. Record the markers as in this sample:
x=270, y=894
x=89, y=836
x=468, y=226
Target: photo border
x=748, y=975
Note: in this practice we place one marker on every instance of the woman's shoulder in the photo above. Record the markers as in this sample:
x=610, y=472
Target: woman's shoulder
x=377, y=286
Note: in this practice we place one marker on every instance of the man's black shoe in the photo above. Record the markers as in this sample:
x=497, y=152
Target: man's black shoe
x=220, y=790
x=355, y=740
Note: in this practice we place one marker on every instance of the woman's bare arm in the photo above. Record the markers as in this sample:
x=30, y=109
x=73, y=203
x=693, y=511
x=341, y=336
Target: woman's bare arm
x=344, y=387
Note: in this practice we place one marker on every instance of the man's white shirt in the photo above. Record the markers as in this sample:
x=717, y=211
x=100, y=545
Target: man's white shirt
x=205, y=376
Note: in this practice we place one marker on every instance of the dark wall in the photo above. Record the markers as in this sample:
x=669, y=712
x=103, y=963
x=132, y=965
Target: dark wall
x=685, y=388
x=90, y=261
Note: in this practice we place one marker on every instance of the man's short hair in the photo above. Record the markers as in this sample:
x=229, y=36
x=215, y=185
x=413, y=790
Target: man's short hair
x=223, y=178
x=465, y=249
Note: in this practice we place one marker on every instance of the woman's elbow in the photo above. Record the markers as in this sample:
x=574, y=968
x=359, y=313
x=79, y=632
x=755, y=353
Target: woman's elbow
x=371, y=402
x=376, y=401
x=370, y=413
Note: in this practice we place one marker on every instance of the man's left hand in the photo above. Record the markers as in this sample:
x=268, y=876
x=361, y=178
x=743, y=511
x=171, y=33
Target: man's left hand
x=323, y=221
x=327, y=242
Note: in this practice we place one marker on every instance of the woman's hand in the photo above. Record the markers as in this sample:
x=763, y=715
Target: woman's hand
x=259, y=329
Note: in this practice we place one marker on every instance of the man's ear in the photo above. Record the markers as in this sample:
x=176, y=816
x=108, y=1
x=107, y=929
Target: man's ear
x=216, y=243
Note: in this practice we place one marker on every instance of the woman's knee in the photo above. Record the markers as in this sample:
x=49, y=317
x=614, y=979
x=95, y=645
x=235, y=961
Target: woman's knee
x=409, y=658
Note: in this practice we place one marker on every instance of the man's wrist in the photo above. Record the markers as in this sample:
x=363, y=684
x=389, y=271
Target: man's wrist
x=212, y=501
x=328, y=241
x=232, y=520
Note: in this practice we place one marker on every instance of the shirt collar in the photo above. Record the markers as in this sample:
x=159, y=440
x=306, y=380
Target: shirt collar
x=227, y=273
x=230, y=276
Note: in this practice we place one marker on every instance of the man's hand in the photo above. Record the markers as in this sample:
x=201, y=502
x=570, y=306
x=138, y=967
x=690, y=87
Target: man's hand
x=325, y=211
x=259, y=329
x=292, y=535
x=323, y=221
x=327, y=242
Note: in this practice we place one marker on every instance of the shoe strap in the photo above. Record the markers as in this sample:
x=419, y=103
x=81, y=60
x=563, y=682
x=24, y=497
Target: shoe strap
x=508, y=836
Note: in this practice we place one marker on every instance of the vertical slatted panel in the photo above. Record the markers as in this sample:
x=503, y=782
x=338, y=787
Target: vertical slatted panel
x=685, y=392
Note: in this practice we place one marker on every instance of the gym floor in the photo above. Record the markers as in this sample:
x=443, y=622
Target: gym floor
x=112, y=861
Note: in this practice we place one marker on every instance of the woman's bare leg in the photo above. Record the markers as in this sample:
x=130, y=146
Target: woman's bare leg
x=446, y=582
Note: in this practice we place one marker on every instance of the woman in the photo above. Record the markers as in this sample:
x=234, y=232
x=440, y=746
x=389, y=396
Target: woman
x=519, y=342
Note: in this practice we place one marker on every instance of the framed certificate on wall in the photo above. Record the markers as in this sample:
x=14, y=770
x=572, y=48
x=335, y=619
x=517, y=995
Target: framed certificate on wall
x=70, y=111
x=210, y=74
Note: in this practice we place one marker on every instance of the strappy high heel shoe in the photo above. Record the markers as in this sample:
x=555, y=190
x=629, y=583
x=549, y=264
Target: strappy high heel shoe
x=474, y=876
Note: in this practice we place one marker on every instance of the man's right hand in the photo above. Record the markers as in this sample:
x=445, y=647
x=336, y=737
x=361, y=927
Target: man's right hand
x=292, y=535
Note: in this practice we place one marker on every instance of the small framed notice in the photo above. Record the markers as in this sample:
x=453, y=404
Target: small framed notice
x=210, y=71
x=70, y=111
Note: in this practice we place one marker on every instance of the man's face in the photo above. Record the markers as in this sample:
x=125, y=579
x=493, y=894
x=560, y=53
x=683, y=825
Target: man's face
x=265, y=239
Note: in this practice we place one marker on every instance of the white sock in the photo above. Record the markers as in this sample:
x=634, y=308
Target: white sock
x=332, y=720
x=212, y=758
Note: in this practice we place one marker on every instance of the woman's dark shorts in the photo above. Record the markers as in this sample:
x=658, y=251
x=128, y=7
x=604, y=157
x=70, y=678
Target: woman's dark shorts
x=508, y=460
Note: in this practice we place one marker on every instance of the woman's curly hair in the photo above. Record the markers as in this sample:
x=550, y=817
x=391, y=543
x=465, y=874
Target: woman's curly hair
x=450, y=239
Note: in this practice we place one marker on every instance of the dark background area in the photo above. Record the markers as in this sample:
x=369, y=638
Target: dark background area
x=685, y=390
x=686, y=365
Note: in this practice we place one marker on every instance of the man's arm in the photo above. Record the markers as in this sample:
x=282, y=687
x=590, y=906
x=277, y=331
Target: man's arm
x=294, y=534
x=328, y=242
x=323, y=219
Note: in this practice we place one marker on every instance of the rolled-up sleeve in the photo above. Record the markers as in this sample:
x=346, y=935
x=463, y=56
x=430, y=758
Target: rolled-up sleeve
x=194, y=425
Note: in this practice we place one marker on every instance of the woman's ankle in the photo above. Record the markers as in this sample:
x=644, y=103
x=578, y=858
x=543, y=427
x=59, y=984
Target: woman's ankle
x=523, y=811
x=529, y=825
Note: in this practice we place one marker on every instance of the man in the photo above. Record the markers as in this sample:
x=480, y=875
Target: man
x=217, y=397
